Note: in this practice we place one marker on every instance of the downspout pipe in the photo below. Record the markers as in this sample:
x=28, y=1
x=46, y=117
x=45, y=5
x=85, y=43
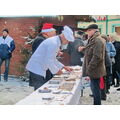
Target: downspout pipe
x=106, y=24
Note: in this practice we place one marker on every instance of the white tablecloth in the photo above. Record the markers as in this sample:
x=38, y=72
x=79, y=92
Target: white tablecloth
x=72, y=98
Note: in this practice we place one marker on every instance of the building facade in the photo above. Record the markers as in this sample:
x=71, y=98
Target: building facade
x=19, y=28
x=22, y=26
x=107, y=23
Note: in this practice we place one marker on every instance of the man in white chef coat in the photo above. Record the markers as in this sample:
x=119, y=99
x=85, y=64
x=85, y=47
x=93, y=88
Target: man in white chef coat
x=44, y=57
x=47, y=31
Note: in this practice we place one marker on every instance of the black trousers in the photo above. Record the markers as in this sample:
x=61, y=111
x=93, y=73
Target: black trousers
x=108, y=78
x=95, y=87
x=115, y=74
x=49, y=75
x=36, y=81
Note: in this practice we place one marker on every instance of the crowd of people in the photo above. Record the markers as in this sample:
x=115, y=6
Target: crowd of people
x=101, y=60
x=98, y=54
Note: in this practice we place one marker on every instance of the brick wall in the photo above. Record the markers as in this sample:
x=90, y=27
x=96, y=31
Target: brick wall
x=19, y=27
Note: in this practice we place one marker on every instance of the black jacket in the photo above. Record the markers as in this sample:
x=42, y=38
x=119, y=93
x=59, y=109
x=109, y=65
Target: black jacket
x=38, y=40
x=117, y=56
x=107, y=59
x=72, y=50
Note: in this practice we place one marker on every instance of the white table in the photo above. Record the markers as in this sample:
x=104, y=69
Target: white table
x=72, y=98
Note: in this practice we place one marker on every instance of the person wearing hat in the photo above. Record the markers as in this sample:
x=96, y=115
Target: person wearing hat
x=7, y=46
x=72, y=49
x=44, y=57
x=94, y=60
x=46, y=32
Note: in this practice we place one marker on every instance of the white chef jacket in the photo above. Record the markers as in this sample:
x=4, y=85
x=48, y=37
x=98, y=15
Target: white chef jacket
x=44, y=57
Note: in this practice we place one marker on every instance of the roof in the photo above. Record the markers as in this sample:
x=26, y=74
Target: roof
x=85, y=18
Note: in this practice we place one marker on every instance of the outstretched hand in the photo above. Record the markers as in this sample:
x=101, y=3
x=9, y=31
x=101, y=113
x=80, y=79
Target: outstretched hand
x=68, y=68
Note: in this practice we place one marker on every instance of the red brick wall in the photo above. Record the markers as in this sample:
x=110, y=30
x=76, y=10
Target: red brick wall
x=19, y=27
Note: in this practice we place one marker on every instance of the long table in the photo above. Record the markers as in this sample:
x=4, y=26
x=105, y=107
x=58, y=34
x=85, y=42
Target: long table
x=71, y=97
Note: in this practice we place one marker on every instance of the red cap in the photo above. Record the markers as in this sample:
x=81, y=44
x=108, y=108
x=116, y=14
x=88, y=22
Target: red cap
x=47, y=27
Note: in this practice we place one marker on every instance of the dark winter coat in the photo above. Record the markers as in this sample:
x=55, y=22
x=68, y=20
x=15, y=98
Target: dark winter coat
x=7, y=46
x=72, y=50
x=38, y=40
x=94, y=60
x=117, y=56
x=108, y=62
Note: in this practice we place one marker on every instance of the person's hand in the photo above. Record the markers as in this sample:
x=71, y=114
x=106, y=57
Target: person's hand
x=81, y=48
x=60, y=53
x=59, y=72
x=68, y=68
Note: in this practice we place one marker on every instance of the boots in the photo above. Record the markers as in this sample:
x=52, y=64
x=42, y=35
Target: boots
x=117, y=85
x=103, y=94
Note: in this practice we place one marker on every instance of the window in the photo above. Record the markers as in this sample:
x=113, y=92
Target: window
x=117, y=30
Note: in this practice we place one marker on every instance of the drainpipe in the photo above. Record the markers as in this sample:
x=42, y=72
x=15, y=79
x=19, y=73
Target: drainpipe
x=106, y=24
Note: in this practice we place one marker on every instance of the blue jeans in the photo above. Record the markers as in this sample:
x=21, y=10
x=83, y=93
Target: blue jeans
x=7, y=63
x=95, y=87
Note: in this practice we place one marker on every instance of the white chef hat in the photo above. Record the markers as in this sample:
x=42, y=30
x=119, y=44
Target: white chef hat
x=68, y=33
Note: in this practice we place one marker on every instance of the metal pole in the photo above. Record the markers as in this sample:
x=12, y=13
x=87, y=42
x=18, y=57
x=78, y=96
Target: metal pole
x=106, y=24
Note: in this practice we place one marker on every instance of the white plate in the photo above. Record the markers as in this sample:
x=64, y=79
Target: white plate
x=66, y=92
x=48, y=97
x=44, y=90
x=54, y=82
x=56, y=91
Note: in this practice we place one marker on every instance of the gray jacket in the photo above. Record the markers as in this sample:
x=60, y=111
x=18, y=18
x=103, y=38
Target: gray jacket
x=72, y=50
